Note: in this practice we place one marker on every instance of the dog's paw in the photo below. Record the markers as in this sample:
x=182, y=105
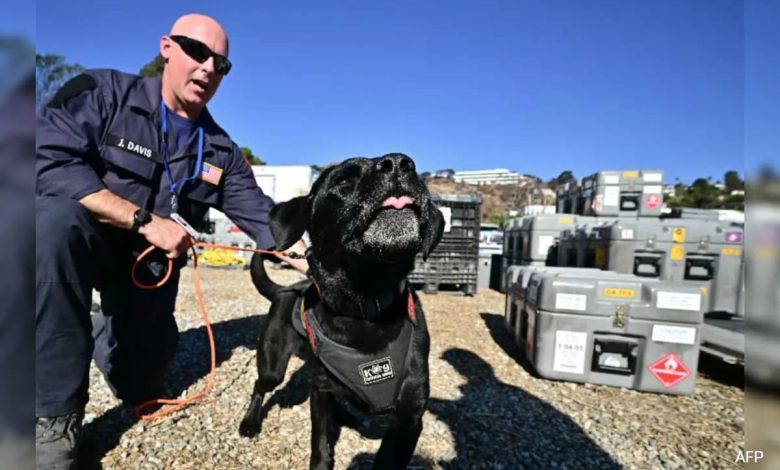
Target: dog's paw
x=249, y=427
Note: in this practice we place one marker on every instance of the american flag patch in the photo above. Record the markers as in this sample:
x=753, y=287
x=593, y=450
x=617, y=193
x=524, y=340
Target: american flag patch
x=210, y=173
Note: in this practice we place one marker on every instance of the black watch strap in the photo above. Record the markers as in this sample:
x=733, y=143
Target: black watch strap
x=141, y=217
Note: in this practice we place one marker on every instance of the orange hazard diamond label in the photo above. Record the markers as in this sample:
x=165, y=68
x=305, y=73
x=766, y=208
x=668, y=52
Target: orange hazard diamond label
x=669, y=370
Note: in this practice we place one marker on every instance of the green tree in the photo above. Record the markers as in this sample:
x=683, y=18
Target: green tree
x=735, y=202
x=425, y=175
x=448, y=173
x=565, y=177
x=732, y=181
x=498, y=218
x=251, y=157
x=702, y=194
x=153, y=68
x=51, y=72
x=317, y=168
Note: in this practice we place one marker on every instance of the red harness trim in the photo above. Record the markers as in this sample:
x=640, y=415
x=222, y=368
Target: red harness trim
x=309, y=332
x=410, y=306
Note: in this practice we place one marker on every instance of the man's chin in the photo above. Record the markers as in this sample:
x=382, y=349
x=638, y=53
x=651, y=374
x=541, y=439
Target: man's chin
x=196, y=99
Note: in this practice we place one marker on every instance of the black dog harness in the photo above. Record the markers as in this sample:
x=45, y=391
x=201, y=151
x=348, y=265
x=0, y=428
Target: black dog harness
x=375, y=378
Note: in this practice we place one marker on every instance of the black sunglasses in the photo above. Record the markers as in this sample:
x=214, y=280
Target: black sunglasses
x=201, y=53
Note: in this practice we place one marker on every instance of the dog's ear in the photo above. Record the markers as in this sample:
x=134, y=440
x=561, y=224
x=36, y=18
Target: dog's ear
x=435, y=229
x=288, y=221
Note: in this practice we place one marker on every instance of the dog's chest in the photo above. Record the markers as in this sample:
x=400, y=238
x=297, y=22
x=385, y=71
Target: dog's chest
x=376, y=377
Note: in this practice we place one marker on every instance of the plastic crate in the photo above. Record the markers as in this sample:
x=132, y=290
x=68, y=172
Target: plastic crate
x=462, y=214
x=465, y=245
x=432, y=283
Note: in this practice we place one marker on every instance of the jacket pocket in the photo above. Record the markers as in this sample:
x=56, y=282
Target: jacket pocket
x=123, y=161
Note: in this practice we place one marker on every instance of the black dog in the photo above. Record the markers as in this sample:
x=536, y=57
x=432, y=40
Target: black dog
x=358, y=323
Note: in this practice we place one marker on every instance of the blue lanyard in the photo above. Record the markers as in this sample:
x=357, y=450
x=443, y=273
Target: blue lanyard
x=174, y=185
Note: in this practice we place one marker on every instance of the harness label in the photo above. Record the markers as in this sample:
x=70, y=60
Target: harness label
x=376, y=371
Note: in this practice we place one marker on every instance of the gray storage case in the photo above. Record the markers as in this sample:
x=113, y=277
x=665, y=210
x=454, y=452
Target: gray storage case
x=539, y=233
x=614, y=329
x=517, y=281
x=637, y=193
x=705, y=254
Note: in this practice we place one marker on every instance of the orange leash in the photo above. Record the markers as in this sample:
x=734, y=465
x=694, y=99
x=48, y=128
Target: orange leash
x=177, y=404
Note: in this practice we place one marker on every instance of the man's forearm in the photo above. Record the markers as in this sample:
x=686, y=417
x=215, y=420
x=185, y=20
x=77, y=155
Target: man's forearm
x=110, y=209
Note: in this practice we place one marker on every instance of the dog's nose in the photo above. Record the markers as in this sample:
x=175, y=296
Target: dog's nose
x=395, y=163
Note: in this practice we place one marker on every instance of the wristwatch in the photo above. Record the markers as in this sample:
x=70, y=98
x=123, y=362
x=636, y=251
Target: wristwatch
x=141, y=217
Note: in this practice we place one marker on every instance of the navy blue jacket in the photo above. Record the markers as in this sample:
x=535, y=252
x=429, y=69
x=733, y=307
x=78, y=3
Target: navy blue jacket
x=102, y=130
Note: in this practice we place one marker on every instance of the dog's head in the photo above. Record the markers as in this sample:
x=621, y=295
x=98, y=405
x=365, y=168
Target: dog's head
x=363, y=210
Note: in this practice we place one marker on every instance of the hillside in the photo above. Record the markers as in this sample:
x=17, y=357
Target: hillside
x=497, y=200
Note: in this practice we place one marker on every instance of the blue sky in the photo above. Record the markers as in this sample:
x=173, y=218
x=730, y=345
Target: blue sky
x=536, y=87
x=762, y=84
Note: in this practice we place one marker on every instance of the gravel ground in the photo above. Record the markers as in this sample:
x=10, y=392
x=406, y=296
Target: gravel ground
x=486, y=409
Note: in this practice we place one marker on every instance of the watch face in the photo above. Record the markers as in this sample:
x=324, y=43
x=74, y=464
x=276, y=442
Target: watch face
x=141, y=217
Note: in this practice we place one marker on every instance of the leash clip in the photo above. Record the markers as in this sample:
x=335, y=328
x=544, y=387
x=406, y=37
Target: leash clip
x=294, y=255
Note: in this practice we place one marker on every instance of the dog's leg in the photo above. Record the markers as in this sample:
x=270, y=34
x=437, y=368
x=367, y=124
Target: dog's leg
x=398, y=444
x=277, y=344
x=400, y=440
x=323, y=429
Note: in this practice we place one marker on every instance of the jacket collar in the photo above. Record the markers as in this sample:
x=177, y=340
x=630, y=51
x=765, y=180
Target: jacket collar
x=148, y=103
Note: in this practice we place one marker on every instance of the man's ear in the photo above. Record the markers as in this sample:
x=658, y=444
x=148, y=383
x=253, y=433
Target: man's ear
x=288, y=221
x=435, y=229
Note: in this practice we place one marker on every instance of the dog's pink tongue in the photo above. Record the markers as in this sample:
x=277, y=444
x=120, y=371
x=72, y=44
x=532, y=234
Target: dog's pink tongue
x=398, y=202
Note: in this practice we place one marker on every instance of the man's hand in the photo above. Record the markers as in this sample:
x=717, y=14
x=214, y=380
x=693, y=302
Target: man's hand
x=166, y=235
x=108, y=208
x=300, y=265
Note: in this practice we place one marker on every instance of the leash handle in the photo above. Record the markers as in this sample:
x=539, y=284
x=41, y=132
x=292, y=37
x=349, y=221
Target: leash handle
x=169, y=269
x=159, y=283
x=178, y=404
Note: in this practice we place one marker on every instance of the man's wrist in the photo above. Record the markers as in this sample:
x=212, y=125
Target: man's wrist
x=141, y=218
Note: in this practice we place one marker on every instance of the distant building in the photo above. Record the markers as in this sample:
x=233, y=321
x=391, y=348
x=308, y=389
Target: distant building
x=496, y=176
x=535, y=209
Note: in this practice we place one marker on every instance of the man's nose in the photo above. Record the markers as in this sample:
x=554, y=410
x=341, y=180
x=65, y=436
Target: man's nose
x=208, y=65
x=395, y=164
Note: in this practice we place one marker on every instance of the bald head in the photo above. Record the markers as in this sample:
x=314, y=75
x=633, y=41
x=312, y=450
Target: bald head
x=203, y=28
x=189, y=81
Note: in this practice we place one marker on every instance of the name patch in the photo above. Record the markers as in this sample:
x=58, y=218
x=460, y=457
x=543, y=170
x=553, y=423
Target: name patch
x=133, y=147
x=376, y=371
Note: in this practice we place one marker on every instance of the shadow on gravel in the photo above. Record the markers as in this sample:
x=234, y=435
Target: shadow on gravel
x=497, y=425
x=365, y=461
x=502, y=337
x=190, y=364
x=715, y=369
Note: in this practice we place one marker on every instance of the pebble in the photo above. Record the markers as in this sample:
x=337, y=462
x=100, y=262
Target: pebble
x=485, y=411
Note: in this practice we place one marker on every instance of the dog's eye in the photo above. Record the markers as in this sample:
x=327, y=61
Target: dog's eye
x=347, y=178
x=344, y=181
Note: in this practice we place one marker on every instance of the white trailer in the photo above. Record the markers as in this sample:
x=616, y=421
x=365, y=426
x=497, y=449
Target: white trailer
x=280, y=182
